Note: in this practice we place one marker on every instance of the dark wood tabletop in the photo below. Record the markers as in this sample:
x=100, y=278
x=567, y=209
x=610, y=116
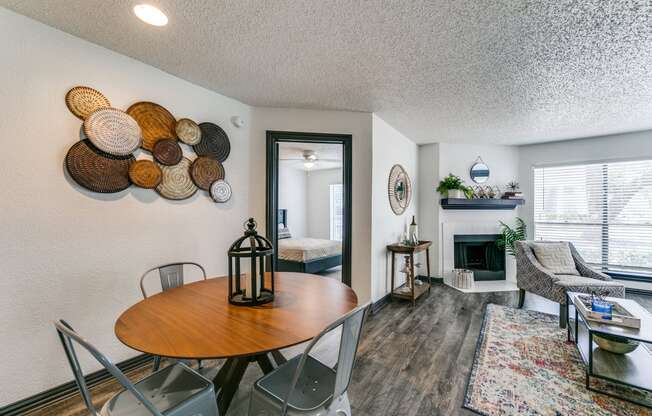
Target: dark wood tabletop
x=196, y=321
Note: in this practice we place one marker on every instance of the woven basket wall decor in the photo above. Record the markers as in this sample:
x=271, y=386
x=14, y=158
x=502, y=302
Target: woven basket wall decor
x=220, y=191
x=399, y=189
x=188, y=131
x=214, y=142
x=82, y=101
x=206, y=170
x=113, y=131
x=167, y=152
x=176, y=183
x=155, y=121
x=96, y=170
x=145, y=174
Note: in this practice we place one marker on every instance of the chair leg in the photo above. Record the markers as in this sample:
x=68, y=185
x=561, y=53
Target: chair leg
x=563, y=312
x=157, y=363
x=521, y=298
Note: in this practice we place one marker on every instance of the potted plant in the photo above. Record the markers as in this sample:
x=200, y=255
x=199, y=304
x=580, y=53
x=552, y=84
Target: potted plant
x=453, y=187
x=511, y=235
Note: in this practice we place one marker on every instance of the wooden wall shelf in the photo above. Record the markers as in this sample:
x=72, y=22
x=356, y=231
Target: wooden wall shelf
x=485, y=204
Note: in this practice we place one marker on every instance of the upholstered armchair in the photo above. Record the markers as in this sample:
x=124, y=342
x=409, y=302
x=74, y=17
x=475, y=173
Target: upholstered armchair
x=532, y=277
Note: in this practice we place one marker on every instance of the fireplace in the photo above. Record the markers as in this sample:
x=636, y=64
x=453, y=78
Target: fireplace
x=479, y=253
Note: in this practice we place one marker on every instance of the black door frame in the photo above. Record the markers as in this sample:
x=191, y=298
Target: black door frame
x=276, y=137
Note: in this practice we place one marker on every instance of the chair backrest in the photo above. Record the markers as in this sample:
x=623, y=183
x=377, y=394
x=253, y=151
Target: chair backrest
x=67, y=335
x=171, y=275
x=351, y=324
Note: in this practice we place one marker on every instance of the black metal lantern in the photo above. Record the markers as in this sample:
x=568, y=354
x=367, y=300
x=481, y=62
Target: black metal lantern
x=252, y=291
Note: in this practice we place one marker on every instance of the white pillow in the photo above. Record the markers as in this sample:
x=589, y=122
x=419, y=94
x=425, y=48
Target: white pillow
x=555, y=257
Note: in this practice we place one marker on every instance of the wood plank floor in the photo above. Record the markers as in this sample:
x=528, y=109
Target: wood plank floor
x=412, y=361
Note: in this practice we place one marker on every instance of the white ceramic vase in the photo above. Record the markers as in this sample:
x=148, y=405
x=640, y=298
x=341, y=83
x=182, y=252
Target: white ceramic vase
x=456, y=194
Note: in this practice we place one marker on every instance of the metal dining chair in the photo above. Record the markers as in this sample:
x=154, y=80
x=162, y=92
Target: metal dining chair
x=176, y=390
x=304, y=385
x=171, y=276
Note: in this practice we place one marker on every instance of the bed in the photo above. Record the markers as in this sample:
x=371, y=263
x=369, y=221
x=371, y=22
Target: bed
x=305, y=255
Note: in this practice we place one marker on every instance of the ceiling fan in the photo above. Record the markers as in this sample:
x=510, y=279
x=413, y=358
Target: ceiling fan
x=309, y=159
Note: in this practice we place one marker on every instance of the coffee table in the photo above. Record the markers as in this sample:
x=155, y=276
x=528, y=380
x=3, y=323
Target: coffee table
x=633, y=369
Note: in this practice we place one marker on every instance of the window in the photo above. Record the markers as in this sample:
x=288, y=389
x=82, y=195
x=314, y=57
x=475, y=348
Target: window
x=605, y=209
x=337, y=204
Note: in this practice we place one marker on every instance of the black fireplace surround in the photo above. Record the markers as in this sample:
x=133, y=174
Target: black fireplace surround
x=479, y=253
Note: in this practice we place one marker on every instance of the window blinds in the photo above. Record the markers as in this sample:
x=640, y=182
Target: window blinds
x=605, y=209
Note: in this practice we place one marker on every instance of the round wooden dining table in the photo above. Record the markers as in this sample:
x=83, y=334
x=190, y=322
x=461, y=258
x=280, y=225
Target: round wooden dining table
x=196, y=321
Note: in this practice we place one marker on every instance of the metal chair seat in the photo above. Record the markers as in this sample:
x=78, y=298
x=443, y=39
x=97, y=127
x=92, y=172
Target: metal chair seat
x=313, y=390
x=176, y=390
x=173, y=390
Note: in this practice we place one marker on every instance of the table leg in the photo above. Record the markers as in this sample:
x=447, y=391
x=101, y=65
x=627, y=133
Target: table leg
x=391, y=288
x=227, y=381
x=412, y=277
x=264, y=363
x=428, y=269
x=279, y=358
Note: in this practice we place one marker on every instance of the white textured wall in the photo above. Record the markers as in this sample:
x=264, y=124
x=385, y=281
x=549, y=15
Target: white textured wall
x=604, y=148
x=390, y=148
x=69, y=253
x=319, y=201
x=359, y=126
x=428, y=209
x=292, y=194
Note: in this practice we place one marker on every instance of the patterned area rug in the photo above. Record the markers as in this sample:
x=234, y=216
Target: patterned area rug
x=524, y=366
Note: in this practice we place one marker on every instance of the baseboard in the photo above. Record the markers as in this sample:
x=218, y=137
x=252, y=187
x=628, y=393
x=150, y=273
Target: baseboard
x=60, y=392
x=642, y=292
x=379, y=304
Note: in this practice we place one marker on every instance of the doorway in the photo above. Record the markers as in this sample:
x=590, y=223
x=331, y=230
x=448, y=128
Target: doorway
x=309, y=203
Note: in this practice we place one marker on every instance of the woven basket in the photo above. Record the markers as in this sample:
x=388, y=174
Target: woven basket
x=113, y=131
x=96, y=170
x=145, y=174
x=176, y=183
x=167, y=152
x=214, y=142
x=188, y=131
x=156, y=122
x=220, y=191
x=205, y=171
x=82, y=101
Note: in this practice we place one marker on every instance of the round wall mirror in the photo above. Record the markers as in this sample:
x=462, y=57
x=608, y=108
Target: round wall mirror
x=399, y=189
x=479, y=171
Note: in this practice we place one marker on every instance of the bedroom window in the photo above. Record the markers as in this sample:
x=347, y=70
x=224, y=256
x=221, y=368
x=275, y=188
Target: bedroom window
x=605, y=209
x=336, y=211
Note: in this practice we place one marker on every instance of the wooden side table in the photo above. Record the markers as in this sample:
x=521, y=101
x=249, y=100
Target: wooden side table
x=416, y=291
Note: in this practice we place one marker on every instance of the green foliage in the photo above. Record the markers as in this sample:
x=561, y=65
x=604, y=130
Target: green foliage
x=510, y=235
x=453, y=182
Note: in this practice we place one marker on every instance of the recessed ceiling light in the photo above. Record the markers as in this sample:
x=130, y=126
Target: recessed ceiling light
x=151, y=15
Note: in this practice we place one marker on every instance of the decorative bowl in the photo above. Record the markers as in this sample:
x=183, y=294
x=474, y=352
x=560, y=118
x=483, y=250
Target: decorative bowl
x=615, y=344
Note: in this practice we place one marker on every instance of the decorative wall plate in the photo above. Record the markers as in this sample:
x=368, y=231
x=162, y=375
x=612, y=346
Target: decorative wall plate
x=113, y=131
x=214, y=142
x=176, y=182
x=206, y=170
x=188, y=131
x=399, y=189
x=82, y=101
x=96, y=170
x=167, y=152
x=220, y=191
x=145, y=174
x=156, y=122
